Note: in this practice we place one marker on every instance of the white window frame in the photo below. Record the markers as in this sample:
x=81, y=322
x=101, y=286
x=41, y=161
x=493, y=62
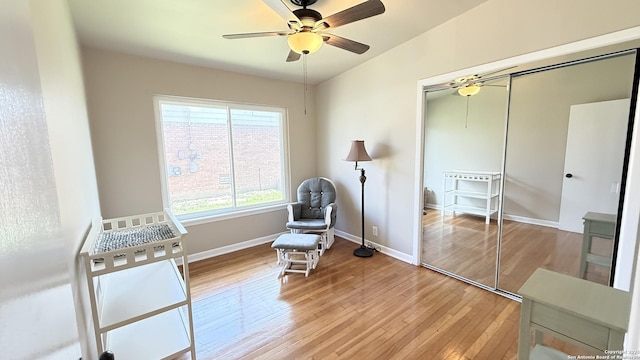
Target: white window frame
x=233, y=212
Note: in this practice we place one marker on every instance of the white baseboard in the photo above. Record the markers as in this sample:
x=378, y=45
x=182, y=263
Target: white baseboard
x=516, y=218
x=532, y=221
x=270, y=238
x=231, y=248
x=383, y=249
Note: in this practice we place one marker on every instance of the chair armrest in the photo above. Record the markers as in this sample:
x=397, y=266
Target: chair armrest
x=330, y=214
x=294, y=209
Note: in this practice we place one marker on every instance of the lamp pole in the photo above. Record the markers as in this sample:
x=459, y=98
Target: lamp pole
x=362, y=251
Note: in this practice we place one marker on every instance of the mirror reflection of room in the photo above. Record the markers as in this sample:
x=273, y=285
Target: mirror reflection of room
x=464, y=147
x=563, y=170
x=527, y=173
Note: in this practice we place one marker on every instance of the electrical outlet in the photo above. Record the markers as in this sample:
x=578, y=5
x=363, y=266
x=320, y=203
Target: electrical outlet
x=615, y=188
x=374, y=231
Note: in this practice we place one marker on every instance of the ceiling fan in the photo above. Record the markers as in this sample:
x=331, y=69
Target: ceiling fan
x=307, y=27
x=470, y=85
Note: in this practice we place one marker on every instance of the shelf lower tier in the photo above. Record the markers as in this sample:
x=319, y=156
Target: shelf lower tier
x=469, y=210
x=134, y=293
x=159, y=337
x=471, y=194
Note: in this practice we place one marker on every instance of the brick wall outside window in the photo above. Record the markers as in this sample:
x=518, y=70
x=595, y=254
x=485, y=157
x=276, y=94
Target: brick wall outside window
x=256, y=150
x=205, y=160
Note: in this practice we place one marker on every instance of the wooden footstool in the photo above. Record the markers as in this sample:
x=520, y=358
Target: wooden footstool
x=297, y=249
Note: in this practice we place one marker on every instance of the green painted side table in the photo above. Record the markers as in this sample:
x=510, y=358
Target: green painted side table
x=595, y=225
x=577, y=311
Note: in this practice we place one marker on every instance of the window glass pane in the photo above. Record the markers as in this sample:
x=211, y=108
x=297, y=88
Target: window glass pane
x=221, y=157
x=197, y=159
x=257, y=156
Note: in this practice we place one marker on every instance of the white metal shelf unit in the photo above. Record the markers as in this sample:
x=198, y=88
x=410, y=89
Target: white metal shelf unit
x=140, y=301
x=488, y=192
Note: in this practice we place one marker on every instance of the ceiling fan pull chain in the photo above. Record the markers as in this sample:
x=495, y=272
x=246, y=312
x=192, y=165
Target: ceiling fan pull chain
x=466, y=116
x=304, y=69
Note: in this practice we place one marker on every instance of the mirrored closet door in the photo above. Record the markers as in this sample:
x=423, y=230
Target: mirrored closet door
x=525, y=171
x=464, y=147
x=563, y=169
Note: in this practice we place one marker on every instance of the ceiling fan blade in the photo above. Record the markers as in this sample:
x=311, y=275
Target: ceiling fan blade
x=345, y=44
x=445, y=86
x=361, y=11
x=258, y=34
x=465, y=79
x=281, y=8
x=439, y=87
x=293, y=56
x=493, y=72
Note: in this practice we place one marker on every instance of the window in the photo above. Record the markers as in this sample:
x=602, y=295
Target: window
x=220, y=157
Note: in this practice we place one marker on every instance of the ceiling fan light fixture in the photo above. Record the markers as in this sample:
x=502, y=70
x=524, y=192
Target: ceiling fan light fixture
x=469, y=90
x=305, y=42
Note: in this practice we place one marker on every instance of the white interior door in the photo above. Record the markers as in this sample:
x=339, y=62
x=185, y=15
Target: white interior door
x=593, y=161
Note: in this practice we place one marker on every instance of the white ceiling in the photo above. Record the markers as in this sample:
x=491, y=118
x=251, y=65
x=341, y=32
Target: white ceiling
x=190, y=31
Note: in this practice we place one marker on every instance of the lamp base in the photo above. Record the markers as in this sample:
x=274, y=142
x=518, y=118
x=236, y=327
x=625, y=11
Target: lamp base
x=363, y=251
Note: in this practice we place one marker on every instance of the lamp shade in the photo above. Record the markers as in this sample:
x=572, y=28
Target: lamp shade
x=469, y=90
x=358, y=152
x=305, y=42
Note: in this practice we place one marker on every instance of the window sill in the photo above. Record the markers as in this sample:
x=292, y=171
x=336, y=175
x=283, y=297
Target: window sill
x=234, y=215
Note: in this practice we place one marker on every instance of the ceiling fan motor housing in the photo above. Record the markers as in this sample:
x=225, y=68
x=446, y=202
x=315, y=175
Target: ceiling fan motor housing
x=308, y=17
x=303, y=3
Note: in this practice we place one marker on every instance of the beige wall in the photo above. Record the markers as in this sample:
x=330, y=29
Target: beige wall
x=120, y=91
x=71, y=151
x=377, y=100
x=44, y=98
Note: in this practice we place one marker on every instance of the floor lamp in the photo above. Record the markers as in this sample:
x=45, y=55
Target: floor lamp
x=359, y=153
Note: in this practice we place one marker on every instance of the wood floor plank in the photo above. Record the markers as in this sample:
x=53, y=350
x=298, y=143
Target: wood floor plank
x=466, y=246
x=348, y=308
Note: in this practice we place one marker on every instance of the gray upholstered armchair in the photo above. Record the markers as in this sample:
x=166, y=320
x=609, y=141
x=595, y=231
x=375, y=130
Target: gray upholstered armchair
x=315, y=210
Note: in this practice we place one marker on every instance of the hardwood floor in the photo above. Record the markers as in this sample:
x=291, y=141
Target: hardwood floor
x=466, y=246
x=348, y=308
